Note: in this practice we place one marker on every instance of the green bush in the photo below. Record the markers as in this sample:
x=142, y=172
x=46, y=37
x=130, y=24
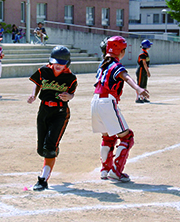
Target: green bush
x=7, y=27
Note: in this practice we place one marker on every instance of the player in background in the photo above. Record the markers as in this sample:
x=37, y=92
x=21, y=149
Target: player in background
x=55, y=84
x=142, y=72
x=1, y=57
x=106, y=116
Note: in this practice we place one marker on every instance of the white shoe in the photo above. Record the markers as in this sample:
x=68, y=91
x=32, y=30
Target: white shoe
x=124, y=177
x=104, y=174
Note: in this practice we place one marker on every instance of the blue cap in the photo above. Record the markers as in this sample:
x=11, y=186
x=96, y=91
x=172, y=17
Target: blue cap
x=146, y=44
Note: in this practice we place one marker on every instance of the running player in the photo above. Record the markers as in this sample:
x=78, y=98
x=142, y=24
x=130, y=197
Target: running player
x=56, y=84
x=142, y=72
x=106, y=117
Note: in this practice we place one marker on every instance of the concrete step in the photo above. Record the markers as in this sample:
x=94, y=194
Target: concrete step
x=27, y=69
x=38, y=55
x=37, y=59
x=7, y=46
x=35, y=51
x=24, y=59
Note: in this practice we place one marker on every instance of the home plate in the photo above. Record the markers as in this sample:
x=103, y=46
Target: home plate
x=59, y=188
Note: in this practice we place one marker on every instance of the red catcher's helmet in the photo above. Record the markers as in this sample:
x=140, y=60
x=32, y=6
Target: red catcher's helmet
x=116, y=44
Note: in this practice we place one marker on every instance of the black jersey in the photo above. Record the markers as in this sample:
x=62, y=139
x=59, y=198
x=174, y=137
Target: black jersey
x=52, y=86
x=143, y=56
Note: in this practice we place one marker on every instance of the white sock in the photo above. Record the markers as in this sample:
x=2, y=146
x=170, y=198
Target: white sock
x=45, y=172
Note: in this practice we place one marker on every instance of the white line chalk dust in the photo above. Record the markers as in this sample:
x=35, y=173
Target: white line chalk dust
x=16, y=212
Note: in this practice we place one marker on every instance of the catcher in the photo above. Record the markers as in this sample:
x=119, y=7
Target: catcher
x=106, y=116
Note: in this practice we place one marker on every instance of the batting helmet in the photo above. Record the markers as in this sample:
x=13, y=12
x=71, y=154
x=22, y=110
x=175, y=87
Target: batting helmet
x=146, y=44
x=103, y=45
x=61, y=55
x=116, y=44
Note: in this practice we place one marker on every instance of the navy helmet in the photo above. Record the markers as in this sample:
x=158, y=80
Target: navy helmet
x=146, y=44
x=61, y=55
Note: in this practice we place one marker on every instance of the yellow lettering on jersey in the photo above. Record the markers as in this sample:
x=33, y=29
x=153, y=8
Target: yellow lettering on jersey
x=54, y=86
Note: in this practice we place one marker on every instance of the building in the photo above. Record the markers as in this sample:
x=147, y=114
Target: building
x=151, y=16
x=108, y=14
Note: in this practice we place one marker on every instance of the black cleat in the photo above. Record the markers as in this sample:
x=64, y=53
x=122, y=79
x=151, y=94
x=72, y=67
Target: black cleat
x=146, y=101
x=40, y=185
x=139, y=101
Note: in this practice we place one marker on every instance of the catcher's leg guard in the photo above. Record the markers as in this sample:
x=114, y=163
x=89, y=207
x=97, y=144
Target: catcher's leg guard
x=122, y=153
x=108, y=163
x=107, y=148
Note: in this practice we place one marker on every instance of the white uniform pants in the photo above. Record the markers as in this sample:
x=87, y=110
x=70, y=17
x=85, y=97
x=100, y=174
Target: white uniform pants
x=106, y=116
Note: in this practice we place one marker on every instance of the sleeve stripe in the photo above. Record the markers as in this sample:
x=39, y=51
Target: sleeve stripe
x=73, y=83
x=34, y=81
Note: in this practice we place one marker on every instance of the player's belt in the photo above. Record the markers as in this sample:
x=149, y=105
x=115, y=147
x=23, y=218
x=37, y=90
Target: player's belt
x=104, y=95
x=51, y=103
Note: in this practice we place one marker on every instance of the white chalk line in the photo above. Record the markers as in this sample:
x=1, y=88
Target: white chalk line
x=167, y=100
x=26, y=173
x=135, y=159
x=15, y=212
x=71, y=190
x=132, y=160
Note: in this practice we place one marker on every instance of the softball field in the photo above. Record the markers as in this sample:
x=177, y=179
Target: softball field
x=76, y=193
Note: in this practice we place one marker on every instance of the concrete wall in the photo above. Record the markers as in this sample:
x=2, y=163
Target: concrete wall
x=161, y=52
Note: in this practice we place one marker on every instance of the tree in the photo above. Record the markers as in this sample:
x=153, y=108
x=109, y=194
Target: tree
x=174, y=6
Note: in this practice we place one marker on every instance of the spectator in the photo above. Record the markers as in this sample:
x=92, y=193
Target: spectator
x=40, y=32
x=16, y=35
x=1, y=32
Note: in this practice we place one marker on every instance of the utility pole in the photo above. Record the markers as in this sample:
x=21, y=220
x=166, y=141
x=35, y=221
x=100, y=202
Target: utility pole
x=28, y=21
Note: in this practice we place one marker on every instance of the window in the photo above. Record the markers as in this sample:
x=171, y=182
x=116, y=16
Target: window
x=155, y=18
x=41, y=12
x=23, y=11
x=68, y=18
x=105, y=16
x=89, y=15
x=169, y=18
x=1, y=11
x=119, y=17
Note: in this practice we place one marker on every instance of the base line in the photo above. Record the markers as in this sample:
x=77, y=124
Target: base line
x=135, y=159
x=15, y=212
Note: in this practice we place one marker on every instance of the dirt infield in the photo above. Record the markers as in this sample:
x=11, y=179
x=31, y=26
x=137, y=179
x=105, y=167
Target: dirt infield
x=76, y=192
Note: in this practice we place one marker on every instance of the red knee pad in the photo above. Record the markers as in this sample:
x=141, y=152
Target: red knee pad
x=128, y=140
x=109, y=141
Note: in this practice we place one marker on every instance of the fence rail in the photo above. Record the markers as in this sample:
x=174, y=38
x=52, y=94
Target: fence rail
x=110, y=32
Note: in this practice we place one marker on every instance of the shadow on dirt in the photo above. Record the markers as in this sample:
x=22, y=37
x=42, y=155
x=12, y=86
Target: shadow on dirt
x=169, y=104
x=166, y=189
x=101, y=196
